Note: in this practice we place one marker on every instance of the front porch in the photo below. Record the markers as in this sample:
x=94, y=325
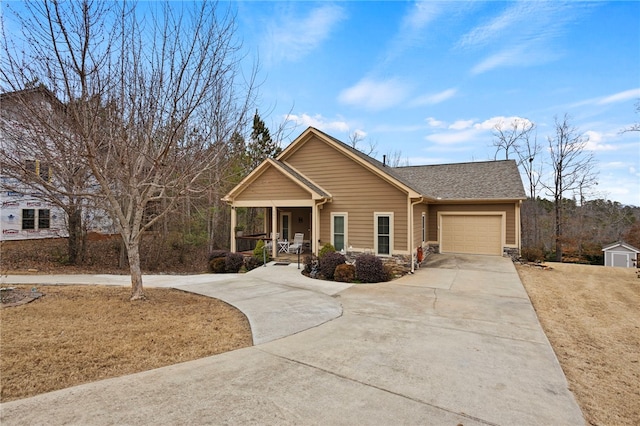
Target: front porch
x=278, y=227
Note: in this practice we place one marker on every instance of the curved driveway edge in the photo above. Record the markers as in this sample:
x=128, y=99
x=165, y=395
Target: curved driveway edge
x=456, y=343
x=277, y=300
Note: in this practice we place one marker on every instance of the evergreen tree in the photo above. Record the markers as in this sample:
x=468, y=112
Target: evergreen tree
x=261, y=146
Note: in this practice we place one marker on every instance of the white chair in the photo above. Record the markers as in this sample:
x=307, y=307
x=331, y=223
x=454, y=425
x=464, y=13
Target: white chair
x=298, y=243
x=269, y=242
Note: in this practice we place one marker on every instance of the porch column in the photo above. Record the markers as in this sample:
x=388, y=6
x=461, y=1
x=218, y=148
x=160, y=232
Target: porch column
x=274, y=228
x=234, y=220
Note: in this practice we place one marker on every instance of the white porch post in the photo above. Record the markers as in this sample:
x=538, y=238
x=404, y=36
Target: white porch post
x=274, y=228
x=234, y=220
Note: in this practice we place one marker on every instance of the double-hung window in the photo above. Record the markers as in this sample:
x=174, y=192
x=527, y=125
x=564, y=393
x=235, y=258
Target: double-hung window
x=383, y=229
x=339, y=230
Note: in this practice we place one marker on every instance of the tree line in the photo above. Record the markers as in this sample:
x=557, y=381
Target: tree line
x=559, y=219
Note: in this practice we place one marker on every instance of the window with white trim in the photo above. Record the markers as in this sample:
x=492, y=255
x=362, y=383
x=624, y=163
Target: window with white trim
x=383, y=227
x=424, y=227
x=339, y=230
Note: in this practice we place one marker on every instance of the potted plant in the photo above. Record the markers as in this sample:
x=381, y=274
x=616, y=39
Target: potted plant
x=239, y=230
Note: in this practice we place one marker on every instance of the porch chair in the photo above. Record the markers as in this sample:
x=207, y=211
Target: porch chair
x=298, y=243
x=269, y=243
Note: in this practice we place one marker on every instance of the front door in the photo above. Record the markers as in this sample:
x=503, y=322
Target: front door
x=285, y=226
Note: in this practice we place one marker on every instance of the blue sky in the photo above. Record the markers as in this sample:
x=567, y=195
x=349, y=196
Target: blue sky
x=430, y=80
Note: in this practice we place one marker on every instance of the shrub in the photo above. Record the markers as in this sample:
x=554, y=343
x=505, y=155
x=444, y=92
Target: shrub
x=345, y=273
x=309, y=262
x=532, y=254
x=369, y=269
x=258, y=251
x=218, y=265
x=327, y=248
x=252, y=263
x=327, y=264
x=233, y=262
x=216, y=254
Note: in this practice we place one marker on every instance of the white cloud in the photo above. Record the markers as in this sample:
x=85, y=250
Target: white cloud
x=375, y=95
x=468, y=130
x=448, y=138
x=434, y=98
x=319, y=122
x=461, y=124
x=524, y=33
x=597, y=140
x=292, y=37
x=620, y=96
x=435, y=123
x=412, y=29
x=626, y=95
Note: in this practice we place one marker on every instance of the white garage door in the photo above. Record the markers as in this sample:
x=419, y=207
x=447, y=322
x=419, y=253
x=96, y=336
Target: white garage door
x=473, y=234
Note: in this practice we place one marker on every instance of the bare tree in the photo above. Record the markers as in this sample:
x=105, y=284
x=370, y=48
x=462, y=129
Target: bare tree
x=356, y=138
x=572, y=170
x=509, y=137
x=151, y=97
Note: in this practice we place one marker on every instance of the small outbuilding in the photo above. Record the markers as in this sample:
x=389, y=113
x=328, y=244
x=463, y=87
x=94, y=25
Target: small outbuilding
x=621, y=254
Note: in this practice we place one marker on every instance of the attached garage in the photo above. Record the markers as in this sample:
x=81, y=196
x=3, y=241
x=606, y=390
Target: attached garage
x=471, y=233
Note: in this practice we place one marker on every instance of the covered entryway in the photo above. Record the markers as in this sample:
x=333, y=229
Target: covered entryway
x=471, y=233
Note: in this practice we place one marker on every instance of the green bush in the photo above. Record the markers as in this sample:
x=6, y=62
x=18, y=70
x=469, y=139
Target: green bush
x=233, y=262
x=327, y=248
x=258, y=251
x=369, y=269
x=327, y=264
x=345, y=273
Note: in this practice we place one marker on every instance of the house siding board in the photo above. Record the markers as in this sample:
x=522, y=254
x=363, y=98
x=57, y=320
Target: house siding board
x=354, y=189
x=508, y=208
x=273, y=185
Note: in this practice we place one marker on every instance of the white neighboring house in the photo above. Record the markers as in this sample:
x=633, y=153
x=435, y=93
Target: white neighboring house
x=621, y=254
x=25, y=213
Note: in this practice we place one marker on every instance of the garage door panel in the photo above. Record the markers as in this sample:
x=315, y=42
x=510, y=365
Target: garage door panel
x=473, y=234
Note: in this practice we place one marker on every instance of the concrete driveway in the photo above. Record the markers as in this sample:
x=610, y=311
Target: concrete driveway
x=456, y=343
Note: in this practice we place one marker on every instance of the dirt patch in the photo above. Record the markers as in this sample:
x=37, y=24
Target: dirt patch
x=79, y=334
x=591, y=315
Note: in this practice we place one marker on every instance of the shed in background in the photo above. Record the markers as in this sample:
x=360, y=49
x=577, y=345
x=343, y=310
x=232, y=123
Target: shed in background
x=621, y=254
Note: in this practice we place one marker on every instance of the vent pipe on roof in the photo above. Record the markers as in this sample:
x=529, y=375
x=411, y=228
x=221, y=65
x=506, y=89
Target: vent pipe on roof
x=384, y=160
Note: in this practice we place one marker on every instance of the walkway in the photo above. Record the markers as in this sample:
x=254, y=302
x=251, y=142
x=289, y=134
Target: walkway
x=456, y=343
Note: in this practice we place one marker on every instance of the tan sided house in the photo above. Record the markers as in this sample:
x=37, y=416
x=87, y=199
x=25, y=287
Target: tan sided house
x=331, y=193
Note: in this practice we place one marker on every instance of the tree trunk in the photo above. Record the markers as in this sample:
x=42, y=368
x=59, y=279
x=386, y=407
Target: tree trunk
x=558, y=211
x=74, y=242
x=133, y=252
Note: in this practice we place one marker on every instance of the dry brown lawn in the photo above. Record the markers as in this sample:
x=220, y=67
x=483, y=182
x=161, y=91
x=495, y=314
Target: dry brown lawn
x=79, y=334
x=591, y=315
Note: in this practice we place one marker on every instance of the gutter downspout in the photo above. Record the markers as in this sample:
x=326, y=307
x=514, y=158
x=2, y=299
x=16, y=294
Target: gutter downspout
x=420, y=200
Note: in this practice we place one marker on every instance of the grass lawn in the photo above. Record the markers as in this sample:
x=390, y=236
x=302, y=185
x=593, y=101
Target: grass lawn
x=591, y=315
x=78, y=334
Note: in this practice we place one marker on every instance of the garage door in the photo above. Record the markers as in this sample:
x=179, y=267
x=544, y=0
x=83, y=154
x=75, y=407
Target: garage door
x=474, y=234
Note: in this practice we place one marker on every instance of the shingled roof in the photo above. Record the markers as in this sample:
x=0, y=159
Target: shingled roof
x=486, y=180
